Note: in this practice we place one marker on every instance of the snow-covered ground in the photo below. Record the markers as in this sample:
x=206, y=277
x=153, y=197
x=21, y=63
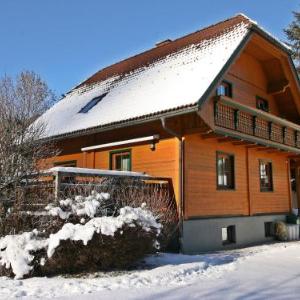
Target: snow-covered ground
x=262, y=272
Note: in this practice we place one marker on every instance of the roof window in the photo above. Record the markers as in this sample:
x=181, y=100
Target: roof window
x=92, y=103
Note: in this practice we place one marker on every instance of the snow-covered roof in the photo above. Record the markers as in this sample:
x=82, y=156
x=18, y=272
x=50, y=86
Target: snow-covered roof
x=177, y=80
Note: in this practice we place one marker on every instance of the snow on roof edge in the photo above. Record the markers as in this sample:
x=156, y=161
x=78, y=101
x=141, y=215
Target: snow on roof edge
x=96, y=172
x=152, y=117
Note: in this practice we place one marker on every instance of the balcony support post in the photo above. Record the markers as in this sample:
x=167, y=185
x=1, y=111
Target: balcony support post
x=254, y=124
x=270, y=130
x=235, y=118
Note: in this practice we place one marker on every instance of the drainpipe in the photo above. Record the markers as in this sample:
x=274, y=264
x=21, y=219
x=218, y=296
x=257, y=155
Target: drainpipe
x=181, y=173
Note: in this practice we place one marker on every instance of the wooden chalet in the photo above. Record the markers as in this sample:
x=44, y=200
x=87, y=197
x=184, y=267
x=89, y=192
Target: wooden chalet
x=218, y=111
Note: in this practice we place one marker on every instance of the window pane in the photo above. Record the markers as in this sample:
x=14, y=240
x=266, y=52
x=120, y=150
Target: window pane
x=265, y=173
x=121, y=161
x=262, y=104
x=125, y=163
x=225, y=171
x=224, y=89
x=224, y=234
x=118, y=162
x=92, y=103
x=221, y=90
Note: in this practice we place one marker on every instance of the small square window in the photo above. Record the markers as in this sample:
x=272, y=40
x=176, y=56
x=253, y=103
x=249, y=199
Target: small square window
x=269, y=229
x=265, y=176
x=224, y=89
x=225, y=171
x=262, y=104
x=120, y=160
x=228, y=235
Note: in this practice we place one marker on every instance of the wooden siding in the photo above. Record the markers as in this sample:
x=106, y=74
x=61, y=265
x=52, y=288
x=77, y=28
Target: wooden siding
x=202, y=198
x=201, y=195
x=249, y=80
x=163, y=162
x=279, y=199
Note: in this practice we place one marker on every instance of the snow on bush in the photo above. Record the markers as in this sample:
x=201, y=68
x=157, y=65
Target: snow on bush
x=104, y=225
x=20, y=252
x=15, y=251
x=88, y=206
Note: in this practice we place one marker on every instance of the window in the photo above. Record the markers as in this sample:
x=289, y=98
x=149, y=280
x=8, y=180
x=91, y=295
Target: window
x=92, y=103
x=120, y=160
x=269, y=229
x=262, y=104
x=69, y=163
x=225, y=171
x=224, y=89
x=228, y=235
x=293, y=179
x=265, y=174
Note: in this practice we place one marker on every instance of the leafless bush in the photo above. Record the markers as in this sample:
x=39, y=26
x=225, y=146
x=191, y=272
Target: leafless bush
x=158, y=196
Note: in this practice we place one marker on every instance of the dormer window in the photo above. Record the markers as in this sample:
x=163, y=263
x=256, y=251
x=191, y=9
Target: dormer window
x=224, y=89
x=92, y=103
x=262, y=104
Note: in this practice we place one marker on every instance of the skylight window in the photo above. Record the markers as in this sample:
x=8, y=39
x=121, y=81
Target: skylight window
x=92, y=103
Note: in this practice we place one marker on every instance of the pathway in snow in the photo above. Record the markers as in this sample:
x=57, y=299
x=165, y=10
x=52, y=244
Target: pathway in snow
x=262, y=272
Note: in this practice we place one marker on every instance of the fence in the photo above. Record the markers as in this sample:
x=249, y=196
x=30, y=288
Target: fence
x=65, y=182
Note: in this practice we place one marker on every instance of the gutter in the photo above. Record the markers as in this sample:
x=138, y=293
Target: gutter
x=181, y=173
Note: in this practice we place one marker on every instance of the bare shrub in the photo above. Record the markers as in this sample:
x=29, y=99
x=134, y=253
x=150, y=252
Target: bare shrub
x=22, y=101
x=102, y=252
x=116, y=241
x=158, y=196
x=281, y=231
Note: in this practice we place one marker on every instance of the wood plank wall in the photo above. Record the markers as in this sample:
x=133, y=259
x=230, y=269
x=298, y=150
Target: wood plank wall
x=202, y=198
x=249, y=80
x=163, y=162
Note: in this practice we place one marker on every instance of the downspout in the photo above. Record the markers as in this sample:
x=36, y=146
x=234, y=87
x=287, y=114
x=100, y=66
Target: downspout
x=248, y=183
x=181, y=174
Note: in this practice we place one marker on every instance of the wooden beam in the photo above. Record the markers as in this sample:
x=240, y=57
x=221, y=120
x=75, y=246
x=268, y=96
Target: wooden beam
x=298, y=185
x=264, y=148
x=274, y=151
x=277, y=87
x=242, y=142
x=253, y=146
x=226, y=140
x=294, y=157
x=255, y=139
x=210, y=135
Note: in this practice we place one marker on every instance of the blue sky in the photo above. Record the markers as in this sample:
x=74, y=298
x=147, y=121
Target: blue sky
x=65, y=41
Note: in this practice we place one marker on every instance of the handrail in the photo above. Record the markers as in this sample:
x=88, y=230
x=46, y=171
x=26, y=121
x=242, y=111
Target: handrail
x=256, y=112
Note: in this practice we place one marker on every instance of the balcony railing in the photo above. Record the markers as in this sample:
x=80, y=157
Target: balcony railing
x=250, y=121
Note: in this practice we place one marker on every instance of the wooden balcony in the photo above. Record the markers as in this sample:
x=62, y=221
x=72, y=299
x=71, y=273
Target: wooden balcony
x=247, y=123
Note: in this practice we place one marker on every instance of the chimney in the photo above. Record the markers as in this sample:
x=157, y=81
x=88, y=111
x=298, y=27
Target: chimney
x=162, y=43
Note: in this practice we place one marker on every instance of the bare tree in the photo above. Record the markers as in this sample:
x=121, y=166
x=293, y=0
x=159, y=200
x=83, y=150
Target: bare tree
x=22, y=101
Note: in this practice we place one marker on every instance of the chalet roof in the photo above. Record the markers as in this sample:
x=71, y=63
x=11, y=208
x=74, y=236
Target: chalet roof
x=171, y=77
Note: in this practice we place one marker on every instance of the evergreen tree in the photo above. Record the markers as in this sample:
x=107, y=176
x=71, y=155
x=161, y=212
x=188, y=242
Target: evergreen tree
x=293, y=34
